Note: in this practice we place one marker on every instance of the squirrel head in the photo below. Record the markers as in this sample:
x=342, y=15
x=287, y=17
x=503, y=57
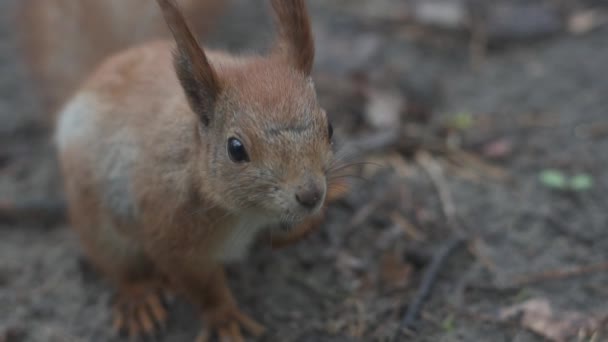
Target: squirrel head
x=265, y=143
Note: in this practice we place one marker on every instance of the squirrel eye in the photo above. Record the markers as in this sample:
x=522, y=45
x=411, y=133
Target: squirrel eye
x=330, y=130
x=236, y=151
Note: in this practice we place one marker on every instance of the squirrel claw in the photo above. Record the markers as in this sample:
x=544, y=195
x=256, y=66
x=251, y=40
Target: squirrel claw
x=139, y=312
x=229, y=326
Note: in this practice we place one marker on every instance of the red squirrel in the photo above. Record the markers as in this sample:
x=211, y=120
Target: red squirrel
x=176, y=159
x=64, y=40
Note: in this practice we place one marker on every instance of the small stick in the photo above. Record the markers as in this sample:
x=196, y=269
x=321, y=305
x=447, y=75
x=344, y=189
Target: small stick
x=433, y=169
x=558, y=274
x=407, y=227
x=449, y=210
x=364, y=213
x=476, y=248
x=473, y=162
x=428, y=280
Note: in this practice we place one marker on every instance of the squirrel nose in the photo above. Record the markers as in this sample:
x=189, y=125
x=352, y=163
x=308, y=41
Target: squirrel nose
x=310, y=196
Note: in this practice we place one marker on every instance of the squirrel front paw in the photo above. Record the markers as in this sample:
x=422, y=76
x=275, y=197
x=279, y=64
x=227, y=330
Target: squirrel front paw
x=227, y=323
x=138, y=311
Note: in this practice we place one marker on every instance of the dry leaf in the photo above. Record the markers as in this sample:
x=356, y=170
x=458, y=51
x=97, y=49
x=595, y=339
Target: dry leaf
x=384, y=108
x=395, y=273
x=538, y=316
x=586, y=21
x=441, y=13
x=497, y=149
x=348, y=263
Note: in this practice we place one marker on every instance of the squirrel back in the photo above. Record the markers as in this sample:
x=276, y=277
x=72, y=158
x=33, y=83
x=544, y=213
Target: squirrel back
x=64, y=40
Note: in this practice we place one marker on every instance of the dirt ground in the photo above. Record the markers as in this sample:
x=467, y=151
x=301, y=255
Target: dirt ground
x=526, y=106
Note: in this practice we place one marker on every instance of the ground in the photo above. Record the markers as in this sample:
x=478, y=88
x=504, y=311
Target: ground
x=527, y=107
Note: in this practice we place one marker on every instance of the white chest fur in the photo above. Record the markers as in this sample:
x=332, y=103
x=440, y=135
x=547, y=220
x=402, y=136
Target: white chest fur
x=76, y=121
x=244, y=232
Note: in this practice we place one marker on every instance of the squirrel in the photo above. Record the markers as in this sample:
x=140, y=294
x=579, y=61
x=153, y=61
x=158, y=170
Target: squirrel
x=176, y=159
x=62, y=41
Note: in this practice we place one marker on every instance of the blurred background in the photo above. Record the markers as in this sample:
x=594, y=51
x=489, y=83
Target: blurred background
x=483, y=126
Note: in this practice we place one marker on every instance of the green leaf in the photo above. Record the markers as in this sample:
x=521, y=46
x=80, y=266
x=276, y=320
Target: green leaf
x=522, y=295
x=553, y=179
x=448, y=323
x=581, y=182
x=462, y=121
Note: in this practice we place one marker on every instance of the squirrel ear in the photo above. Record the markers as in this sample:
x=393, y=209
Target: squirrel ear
x=196, y=75
x=295, y=41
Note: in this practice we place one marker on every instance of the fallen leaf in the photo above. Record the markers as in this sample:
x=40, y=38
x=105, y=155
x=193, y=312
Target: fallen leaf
x=348, y=263
x=553, y=179
x=538, y=316
x=500, y=148
x=442, y=13
x=581, y=182
x=384, y=108
x=448, y=323
x=461, y=121
x=395, y=273
x=585, y=21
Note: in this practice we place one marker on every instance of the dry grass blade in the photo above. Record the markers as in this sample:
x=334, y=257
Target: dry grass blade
x=558, y=274
x=435, y=172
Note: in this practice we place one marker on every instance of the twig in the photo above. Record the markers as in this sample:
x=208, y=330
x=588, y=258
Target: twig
x=359, y=218
x=315, y=288
x=407, y=227
x=433, y=169
x=558, y=274
x=477, y=247
x=473, y=162
x=459, y=238
x=428, y=280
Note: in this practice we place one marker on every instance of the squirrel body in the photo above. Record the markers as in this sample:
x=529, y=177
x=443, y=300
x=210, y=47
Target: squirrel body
x=175, y=163
x=63, y=41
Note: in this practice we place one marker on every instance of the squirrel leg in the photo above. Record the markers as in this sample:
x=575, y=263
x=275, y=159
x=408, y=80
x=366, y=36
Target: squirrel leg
x=220, y=312
x=137, y=306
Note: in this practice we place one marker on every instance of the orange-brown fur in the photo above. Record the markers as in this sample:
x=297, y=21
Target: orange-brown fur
x=152, y=191
x=63, y=40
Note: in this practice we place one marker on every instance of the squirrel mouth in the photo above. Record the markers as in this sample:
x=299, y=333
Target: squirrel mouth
x=286, y=226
